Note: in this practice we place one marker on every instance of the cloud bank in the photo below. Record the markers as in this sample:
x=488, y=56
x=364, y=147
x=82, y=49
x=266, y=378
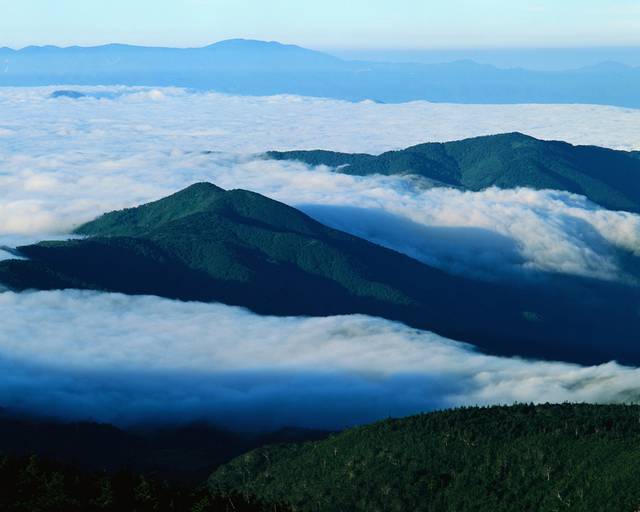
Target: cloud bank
x=492, y=232
x=126, y=360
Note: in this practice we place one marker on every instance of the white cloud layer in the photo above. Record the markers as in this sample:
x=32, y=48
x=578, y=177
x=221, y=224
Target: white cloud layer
x=109, y=357
x=64, y=161
x=31, y=122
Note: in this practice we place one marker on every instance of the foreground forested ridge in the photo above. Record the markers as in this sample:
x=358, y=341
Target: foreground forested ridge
x=524, y=457
x=605, y=176
x=241, y=248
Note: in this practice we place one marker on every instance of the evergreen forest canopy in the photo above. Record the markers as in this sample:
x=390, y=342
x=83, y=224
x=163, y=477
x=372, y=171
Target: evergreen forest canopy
x=524, y=457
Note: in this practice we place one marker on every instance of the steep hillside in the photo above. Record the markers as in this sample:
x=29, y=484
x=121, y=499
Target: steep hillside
x=543, y=458
x=607, y=177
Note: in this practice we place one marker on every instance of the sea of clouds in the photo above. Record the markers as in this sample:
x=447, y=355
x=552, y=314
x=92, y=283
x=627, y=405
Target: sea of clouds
x=64, y=161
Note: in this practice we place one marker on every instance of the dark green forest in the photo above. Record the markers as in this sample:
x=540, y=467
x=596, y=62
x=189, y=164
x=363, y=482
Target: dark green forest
x=183, y=452
x=32, y=484
x=607, y=177
x=496, y=459
x=241, y=248
x=52, y=465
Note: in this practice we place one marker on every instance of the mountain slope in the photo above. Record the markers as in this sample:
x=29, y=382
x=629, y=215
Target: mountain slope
x=545, y=458
x=205, y=243
x=241, y=248
x=263, y=68
x=607, y=177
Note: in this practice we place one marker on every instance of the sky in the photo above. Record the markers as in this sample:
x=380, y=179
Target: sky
x=326, y=24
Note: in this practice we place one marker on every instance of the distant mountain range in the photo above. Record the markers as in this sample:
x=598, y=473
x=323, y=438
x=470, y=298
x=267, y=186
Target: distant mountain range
x=263, y=68
x=499, y=459
x=541, y=59
x=241, y=248
x=607, y=177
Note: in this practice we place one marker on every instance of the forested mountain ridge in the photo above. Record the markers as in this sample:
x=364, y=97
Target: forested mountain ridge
x=497, y=459
x=240, y=248
x=607, y=177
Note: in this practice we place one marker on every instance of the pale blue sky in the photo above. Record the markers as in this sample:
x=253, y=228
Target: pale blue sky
x=324, y=24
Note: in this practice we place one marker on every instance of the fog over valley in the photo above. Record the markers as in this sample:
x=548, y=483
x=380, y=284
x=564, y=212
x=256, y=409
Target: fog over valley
x=131, y=360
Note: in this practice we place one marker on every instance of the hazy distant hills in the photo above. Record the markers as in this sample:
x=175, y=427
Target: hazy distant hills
x=241, y=248
x=499, y=459
x=607, y=177
x=263, y=68
x=121, y=58
x=542, y=59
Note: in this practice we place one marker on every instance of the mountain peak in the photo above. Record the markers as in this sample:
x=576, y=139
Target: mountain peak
x=199, y=188
x=255, y=51
x=507, y=136
x=249, y=43
x=195, y=198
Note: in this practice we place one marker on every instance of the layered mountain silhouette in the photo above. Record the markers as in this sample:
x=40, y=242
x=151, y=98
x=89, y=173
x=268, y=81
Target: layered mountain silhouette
x=498, y=459
x=262, y=68
x=241, y=248
x=607, y=177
